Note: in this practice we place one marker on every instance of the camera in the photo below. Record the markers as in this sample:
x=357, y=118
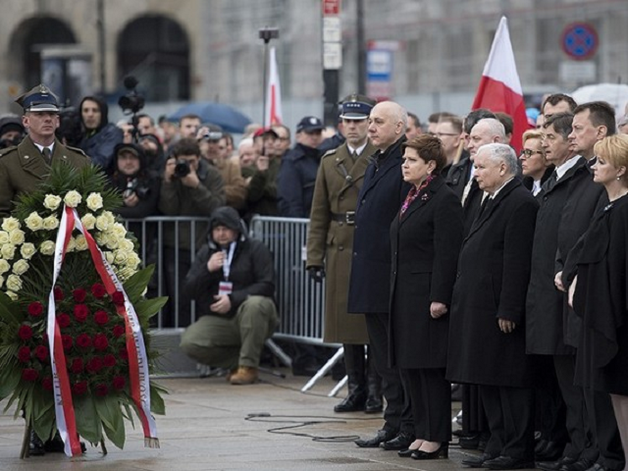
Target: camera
x=181, y=168
x=132, y=101
x=135, y=187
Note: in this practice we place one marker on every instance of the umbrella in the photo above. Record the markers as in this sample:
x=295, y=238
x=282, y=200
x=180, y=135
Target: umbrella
x=225, y=116
x=616, y=94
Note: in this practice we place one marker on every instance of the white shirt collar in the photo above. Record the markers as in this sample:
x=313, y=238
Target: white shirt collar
x=562, y=169
x=501, y=187
x=358, y=150
x=41, y=148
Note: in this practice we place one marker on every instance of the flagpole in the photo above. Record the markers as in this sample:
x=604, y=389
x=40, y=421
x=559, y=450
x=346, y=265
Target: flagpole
x=266, y=34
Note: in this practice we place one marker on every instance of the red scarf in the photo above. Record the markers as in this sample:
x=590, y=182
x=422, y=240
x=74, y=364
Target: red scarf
x=414, y=193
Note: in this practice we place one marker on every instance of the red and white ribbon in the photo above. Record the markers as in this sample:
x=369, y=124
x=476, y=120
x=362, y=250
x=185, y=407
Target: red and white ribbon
x=138, y=360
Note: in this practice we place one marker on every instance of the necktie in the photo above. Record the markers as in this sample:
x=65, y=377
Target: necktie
x=47, y=154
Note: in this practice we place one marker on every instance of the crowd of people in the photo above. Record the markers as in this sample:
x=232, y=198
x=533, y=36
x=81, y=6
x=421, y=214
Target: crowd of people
x=447, y=257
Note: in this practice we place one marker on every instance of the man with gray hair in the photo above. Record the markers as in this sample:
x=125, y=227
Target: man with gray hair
x=487, y=325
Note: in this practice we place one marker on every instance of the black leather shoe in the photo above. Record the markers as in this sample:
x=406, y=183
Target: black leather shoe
x=580, y=465
x=407, y=453
x=352, y=403
x=441, y=453
x=373, y=442
x=555, y=465
x=550, y=452
x=400, y=442
x=470, y=441
x=36, y=447
x=508, y=462
x=373, y=404
x=477, y=461
x=599, y=467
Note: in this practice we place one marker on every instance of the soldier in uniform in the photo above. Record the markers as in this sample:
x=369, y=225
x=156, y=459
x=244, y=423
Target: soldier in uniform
x=25, y=166
x=329, y=246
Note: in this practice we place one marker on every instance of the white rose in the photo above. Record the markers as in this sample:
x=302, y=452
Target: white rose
x=14, y=283
x=28, y=250
x=17, y=237
x=125, y=273
x=111, y=241
x=4, y=237
x=103, y=223
x=101, y=239
x=89, y=221
x=10, y=224
x=47, y=247
x=51, y=223
x=120, y=257
x=81, y=243
x=72, y=199
x=4, y=266
x=12, y=295
x=1, y=281
x=94, y=201
x=109, y=256
x=119, y=230
x=7, y=251
x=52, y=202
x=125, y=244
x=20, y=267
x=71, y=245
x=133, y=260
x=34, y=222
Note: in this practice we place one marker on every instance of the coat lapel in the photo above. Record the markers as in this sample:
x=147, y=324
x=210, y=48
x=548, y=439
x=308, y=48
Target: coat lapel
x=355, y=173
x=492, y=206
x=390, y=163
x=31, y=159
x=423, y=199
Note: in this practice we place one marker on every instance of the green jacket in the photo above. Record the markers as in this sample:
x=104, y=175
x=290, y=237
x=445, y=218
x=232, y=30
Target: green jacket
x=23, y=168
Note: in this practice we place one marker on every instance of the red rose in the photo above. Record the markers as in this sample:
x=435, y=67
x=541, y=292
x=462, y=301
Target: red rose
x=81, y=312
x=100, y=342
x=79, y=295
x=63, y=320
x=94, y=365
x=76, y=366
x=41, y=352
x=45, y=337
x=66, y=341
x=98, y=290
x=79, y=388
x=58, y=293
x=84, y=341
x=35, y=309
x=118, y=331
x=24, y=354
x=109, y=360
x=101, y=390
x=29, y=374
x=123, y=354
x=25, y=332
x=46, y=383
x=118, y=382
x=118, y=298
x=101, y=317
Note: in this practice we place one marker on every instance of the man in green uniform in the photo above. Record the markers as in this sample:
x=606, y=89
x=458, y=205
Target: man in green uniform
x=329, y=243
x=25, y=166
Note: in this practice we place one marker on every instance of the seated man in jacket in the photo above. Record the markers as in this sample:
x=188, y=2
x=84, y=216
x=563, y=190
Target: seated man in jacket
x=232, y=281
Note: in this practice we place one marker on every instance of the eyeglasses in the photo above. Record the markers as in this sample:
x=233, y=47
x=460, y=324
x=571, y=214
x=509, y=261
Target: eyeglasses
x=527, y=153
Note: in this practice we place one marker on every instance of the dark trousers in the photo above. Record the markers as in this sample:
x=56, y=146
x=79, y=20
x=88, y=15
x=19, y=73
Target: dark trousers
x=473, y=415
x=397, y=415
x=549, y=403
x=580, y=445
x=510, y=414
x=602, y=421
x=430, y=401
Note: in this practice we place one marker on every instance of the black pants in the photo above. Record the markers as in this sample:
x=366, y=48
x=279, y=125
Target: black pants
x=604, y=426
x=397, y=415
x=430, y=401
x=510, y=414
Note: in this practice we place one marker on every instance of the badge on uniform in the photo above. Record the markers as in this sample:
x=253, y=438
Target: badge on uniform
x=225, y=288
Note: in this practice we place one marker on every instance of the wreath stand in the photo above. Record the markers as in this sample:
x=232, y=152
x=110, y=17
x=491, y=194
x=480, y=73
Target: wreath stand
x=26, y=441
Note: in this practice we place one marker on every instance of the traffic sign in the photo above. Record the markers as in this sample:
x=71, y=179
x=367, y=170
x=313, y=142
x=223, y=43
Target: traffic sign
x=580, y=41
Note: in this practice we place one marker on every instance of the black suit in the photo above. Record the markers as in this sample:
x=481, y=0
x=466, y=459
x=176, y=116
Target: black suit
x=425, y=242
x=493, y=274
x=379, y=200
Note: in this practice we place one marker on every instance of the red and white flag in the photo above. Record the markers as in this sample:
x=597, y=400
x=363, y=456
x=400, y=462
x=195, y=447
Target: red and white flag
x=272, y=113
x=500, y=88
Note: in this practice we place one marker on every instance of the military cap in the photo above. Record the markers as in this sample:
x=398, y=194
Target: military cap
x=310, y=124
x=356, y=106
x=39, y=98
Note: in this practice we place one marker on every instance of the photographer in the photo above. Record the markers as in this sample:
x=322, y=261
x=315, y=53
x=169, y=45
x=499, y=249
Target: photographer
x=99, y=135
x=190, y=187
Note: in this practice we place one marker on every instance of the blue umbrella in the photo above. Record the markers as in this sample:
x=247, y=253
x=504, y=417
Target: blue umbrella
x=228, y=118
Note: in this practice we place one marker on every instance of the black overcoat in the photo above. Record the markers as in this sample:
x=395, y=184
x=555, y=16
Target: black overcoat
x=380, y=198
x=492, y=281
x=425, y=243
x=545, y=315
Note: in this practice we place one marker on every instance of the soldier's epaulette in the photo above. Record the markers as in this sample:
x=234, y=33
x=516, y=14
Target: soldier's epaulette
x=77, y=150
x=6, y=150
x=329, y=152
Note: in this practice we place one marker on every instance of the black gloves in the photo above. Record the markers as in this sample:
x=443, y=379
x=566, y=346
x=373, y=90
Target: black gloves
x=316, y=273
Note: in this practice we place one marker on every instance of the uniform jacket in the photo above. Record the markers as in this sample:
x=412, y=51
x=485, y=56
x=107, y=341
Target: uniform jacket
x=23, y=168
x=296, y=179
x=425, y=243
x=545, y=316
x=330, y=242
x=379, y=201
x=251, y=273
x=492, y=280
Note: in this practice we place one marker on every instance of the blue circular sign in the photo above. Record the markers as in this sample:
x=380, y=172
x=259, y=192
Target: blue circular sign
x=580, y=41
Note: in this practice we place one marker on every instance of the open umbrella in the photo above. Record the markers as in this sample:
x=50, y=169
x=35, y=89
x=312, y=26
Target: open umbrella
x=614, y=93
x=225, y=116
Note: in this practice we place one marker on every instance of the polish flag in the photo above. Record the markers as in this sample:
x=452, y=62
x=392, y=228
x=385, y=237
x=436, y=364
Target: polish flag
x=500, y=88
x=272, y=113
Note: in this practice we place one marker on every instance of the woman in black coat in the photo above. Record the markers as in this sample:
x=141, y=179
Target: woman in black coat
x=600, y=289
x=425, y=240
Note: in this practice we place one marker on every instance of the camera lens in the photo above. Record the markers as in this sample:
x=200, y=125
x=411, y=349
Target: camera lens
x=182, y=168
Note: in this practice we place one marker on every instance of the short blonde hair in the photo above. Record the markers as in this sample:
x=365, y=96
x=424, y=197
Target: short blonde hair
x=533, y=134
x=614, y=149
